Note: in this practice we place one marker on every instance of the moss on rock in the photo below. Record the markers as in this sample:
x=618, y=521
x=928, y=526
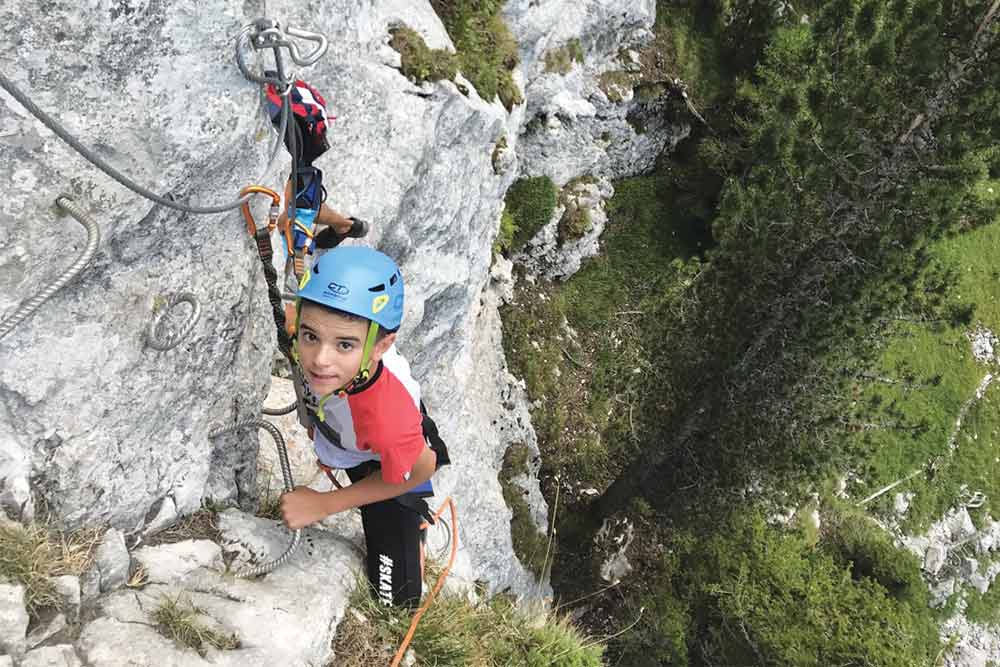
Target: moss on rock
x=420, y=62
x=531, y=202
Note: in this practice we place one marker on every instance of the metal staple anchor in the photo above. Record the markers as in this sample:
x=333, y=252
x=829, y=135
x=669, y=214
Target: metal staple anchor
x=153, y=338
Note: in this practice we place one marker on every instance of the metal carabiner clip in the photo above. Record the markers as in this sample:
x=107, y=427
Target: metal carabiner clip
x=313, y=56
x=267, y=34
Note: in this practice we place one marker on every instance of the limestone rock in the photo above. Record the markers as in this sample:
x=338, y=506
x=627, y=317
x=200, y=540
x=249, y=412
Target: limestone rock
x=301, y=602
x=301, y=456
x=960, y=525
x=68, y=589
x=979, y=582
x=167, y=563
x=613, y=540
x=111, y=563
x=45, y=630
x=573, y=127
x=163, y=516
x=52, y=656
x=935, y=558
x=414, y=160
x=13, y=618
x=941, y=592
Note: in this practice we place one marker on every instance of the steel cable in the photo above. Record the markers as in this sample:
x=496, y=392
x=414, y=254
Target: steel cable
x=99, y=162
x=277, y=412
x=93, y=239
x=286, y=474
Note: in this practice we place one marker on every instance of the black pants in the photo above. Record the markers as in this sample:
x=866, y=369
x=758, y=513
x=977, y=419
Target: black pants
x=394, y=540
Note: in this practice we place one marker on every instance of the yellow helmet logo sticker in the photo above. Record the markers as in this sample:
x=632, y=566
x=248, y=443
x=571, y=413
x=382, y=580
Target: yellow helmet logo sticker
x=305, y=279
x=379, y=303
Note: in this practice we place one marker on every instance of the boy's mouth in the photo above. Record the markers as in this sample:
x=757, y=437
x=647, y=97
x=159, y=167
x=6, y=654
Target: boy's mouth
x=321, y=378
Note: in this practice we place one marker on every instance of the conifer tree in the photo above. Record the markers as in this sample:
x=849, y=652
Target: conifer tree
x=856, y=143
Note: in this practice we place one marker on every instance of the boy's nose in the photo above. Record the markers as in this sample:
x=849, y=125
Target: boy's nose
x=325, y=356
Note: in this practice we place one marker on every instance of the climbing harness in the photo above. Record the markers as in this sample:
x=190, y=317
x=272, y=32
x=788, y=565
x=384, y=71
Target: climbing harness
x=298, y=232
x=153, y=337
x=67, y=205
x=286, y=476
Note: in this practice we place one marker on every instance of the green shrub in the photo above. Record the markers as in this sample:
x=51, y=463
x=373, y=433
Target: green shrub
x=530, y=202
x=420, y=62
x=486, y=50
x=561, y=59
x=857, y=542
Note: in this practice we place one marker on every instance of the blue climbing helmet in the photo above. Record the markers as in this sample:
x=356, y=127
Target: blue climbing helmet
x=358, y=280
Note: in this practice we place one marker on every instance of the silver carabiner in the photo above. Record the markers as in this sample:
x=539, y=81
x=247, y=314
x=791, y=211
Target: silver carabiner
x=313, y=56
x=266, y=33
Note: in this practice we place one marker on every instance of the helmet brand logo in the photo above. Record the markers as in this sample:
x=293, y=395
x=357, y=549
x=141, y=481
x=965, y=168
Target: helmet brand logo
x=338, y=289
x=378, y=303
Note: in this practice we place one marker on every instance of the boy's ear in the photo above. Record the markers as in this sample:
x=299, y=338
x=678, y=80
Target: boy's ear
x=381, y=347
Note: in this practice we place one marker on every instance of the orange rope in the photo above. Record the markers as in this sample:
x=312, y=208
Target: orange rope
x=440, y=582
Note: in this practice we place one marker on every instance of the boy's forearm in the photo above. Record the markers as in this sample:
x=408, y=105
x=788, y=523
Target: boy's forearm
x=373, y=488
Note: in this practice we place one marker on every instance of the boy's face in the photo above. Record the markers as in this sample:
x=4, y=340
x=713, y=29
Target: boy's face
x=330, y=348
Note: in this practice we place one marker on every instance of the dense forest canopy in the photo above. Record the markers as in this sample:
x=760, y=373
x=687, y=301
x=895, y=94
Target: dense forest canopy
x=770, y=258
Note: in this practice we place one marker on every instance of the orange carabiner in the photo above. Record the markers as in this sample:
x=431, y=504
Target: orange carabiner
x=275, y=207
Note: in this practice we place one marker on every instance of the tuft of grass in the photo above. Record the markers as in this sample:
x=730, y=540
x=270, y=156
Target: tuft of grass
x=530, y=202
x=530, y=545
x=420, y=62
x=32, y=555
x=177, y=619
x=457, y=632
x=486, y=50
x=560, y=60
x=616, y=84
x=201, y=525
x=269, y=497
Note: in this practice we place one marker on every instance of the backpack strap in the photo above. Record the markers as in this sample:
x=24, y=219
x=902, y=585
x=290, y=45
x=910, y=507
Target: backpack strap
x=433, y=437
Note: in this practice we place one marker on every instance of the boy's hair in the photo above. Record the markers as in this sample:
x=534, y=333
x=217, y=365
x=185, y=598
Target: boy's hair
x=382, y=331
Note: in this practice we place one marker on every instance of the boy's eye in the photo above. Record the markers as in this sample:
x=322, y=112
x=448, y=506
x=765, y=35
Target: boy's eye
x=309, y=336
x=345, y=346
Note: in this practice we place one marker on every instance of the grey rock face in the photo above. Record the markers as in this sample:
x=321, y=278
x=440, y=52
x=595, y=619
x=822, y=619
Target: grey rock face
x=45, y=630
x=52, y=656
x=286, y=617
x=101, y=424
x=68, y=589
x=577, y=122
x=111, y=563
x=13, y=618
x=167, y=563
x=106, y=429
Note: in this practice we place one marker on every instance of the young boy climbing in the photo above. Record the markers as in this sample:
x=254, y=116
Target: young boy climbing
x=366, y=414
